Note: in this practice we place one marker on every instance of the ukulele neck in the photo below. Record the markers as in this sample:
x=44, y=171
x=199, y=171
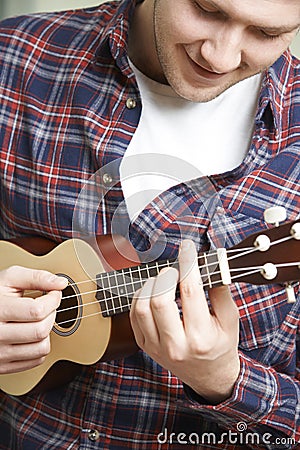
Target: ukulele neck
x=268, y=256
x=116, y=289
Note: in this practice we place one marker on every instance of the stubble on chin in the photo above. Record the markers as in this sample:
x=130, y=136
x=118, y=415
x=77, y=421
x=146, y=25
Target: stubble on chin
x=189, y=90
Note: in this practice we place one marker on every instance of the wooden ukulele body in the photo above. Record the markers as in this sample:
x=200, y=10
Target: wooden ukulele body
x=92, y=322
x=86, y=336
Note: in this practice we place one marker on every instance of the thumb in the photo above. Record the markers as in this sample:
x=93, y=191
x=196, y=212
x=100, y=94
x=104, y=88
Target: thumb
x=18, y=277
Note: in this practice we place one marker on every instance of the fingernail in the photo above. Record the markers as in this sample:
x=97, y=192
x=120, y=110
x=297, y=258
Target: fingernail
x=58, y=279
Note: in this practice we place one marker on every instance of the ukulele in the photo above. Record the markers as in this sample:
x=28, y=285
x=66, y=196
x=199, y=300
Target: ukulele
x=92, y=323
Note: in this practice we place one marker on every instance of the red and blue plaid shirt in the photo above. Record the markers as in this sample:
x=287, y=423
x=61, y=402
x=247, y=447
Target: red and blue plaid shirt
x=69, y=107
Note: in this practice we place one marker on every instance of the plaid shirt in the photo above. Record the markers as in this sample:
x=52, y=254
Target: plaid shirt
x=69, y=107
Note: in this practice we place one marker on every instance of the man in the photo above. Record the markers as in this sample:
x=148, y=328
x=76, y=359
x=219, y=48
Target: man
x=72, y=91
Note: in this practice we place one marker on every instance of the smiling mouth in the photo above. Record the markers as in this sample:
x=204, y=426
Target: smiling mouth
x=203, y=72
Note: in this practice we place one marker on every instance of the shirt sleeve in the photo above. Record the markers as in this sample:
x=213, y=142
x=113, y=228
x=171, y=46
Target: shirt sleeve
x=264, y=402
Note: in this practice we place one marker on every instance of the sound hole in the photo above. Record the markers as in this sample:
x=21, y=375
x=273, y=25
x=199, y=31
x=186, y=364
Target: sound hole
x=69, y=312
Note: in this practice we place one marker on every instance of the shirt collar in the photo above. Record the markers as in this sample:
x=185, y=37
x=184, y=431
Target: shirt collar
x=276, y=81
x=115, y=35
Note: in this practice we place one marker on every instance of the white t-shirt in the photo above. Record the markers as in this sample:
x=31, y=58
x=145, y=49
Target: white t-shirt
x=178, y=140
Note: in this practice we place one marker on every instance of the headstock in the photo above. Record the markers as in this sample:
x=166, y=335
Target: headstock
x=271, y=256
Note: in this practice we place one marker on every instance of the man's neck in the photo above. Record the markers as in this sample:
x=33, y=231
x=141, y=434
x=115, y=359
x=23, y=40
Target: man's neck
x=141, y=42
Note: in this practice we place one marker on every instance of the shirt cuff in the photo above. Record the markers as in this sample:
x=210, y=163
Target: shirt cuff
x=254, y=396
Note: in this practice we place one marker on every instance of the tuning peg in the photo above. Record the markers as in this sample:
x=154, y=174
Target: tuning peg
x=275, y=215
x=290, y=293
x=295, y=231
x=269, y=271
x=262, y=243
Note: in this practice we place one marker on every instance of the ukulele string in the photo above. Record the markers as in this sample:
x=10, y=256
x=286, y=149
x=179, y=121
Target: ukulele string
x=158, y=265
x=236, y=253
x=121, y=308
x=120, y=286
x=254, y=249
x=124, y=307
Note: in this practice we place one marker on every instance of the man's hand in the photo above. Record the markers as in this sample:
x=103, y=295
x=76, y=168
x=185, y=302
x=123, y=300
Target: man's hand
x=201, y=349
x=25, y=323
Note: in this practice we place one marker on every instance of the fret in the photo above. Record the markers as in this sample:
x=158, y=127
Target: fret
x=144, y=273
x=157, y=267
x=103, y=295
x=109, y=294
x=153, y=271
x=214, y=268
x=137, y=279
x=116, y=288
x=117, y=304
x=131, y=278
x=207, y=271
x=139, y=274
x=127, y=290
x=123, y=289
x=111, y=289
x=148, y=271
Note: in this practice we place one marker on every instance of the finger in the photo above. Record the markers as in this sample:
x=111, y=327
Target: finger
x=194, y=304
x=224, y=307
x=25, y=352
x=20, y=309
x=142, y=322
x=26, y=332
x=163, y=306
x=20, y=366
x=24, y=278
x=19, y=357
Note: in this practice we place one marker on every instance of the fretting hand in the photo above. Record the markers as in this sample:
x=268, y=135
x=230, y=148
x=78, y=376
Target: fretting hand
x=201, y=349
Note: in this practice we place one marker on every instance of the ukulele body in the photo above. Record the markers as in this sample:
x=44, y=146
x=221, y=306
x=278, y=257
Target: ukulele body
x=81, y=335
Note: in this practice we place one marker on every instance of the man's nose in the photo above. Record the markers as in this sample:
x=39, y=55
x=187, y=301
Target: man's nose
x=223, y=51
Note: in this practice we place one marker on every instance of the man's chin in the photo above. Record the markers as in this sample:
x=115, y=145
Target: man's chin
x=201, y=94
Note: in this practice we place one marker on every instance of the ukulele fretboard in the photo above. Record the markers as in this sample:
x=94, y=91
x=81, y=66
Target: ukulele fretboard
x=115, y=289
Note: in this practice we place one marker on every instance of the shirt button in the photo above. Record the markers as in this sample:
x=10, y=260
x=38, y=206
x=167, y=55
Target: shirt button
x=220, y=210
x=130, y=103
x=94, y=435
x=107, y=178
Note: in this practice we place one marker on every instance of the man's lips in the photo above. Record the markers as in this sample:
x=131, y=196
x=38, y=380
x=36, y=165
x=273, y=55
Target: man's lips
x=204, y=72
